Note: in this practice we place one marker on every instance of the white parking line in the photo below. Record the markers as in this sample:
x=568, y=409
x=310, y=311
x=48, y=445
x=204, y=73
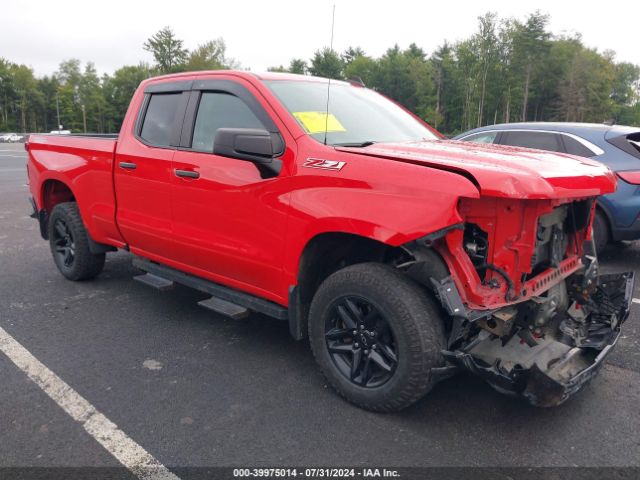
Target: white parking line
x=115, y=441
x=635, y=300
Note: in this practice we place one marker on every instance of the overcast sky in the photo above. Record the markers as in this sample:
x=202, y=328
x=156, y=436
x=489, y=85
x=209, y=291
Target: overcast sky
x=259, y=34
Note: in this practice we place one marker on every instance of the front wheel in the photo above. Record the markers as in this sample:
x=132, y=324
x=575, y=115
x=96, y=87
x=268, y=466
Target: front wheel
x=376, y=336
x=69, y=243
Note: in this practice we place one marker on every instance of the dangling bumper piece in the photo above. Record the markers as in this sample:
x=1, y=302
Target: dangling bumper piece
x=546, y=370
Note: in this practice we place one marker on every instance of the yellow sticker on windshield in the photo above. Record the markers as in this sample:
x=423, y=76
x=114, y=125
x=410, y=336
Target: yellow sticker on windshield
x=318, y=122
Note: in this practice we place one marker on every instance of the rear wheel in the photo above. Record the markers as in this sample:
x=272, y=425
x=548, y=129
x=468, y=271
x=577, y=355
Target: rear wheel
x=69, y=244
x=601, y=235
x=376, y=336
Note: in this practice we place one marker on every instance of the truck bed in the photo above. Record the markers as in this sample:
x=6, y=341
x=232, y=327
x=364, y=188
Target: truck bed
x=85, y=164
x=86, y=135
x=81, y=145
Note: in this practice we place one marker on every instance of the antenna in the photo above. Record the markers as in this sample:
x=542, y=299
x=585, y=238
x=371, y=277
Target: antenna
x=326, y=117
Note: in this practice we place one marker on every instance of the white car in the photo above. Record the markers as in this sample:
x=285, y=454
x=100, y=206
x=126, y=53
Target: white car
x=10, y=137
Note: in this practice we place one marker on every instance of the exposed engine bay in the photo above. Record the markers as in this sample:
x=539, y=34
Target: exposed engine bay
x=554, y=320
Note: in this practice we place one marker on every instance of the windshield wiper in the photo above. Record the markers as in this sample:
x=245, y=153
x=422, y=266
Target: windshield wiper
x=354, y=144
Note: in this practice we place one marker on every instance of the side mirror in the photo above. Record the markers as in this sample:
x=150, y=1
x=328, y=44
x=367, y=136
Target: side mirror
x=253, y=145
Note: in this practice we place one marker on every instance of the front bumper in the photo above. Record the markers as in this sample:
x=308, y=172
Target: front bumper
x=548, y=380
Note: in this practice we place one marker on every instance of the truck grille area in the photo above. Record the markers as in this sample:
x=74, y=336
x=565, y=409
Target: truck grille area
x=476, y=244
x=554, y=231
x=511, y=249
x=551, y=240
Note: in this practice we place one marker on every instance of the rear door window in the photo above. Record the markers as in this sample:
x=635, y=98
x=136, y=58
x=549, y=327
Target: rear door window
x=574, y=147
x=629, y=143
x=482, y=137
x=220, y=110
x=539, y=140
x=159, y=119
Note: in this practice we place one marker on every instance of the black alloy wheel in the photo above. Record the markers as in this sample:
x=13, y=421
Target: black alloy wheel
x=65, y=247
x=376, y=336
x=361, y=342
x=70, y=244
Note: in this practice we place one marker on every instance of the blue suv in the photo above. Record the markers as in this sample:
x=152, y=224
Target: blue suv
x=618, y=147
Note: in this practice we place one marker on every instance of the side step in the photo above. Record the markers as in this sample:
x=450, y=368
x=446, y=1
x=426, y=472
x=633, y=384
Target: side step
x=228, y=309
x=155, y=281
x=234, y=300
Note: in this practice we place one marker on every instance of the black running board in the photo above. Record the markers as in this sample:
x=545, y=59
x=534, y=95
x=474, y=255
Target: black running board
x=154, y=281
x=222, y=307
x=234, y=299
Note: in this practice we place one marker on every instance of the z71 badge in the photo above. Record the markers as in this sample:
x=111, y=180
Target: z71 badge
x=323, y=164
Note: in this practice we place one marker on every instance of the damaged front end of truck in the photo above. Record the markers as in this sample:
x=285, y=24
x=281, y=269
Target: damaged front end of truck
x=542, y=351
x=528, y=310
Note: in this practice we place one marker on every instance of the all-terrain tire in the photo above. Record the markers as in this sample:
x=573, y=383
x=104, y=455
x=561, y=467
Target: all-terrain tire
x=69, y=244
x=411, y=314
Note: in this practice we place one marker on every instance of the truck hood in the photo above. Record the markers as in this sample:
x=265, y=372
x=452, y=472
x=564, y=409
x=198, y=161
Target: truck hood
x=504, y=171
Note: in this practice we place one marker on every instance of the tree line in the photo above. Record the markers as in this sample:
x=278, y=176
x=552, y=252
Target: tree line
x=508, y=70
x=82, y=100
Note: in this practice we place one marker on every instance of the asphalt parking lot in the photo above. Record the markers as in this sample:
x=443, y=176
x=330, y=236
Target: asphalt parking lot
x=195, y=389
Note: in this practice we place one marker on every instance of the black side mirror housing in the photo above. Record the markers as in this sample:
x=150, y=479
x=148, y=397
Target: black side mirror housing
x=250, y=144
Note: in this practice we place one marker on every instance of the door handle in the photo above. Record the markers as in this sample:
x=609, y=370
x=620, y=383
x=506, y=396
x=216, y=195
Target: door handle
x=128, y=165
x=187, y=174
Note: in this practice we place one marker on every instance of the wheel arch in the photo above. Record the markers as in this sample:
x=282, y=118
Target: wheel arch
x=52, y=192
x=328, y=252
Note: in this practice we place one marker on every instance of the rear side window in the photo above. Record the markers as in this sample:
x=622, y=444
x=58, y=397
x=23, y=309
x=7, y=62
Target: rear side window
x=629, y=143
x=574, y=147
x=482, y=137
x=220, y=110
x=634, y=140
x=539, y=140
x=158, y=122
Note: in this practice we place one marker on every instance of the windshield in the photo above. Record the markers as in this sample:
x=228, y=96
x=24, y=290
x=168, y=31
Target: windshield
x=357, y=116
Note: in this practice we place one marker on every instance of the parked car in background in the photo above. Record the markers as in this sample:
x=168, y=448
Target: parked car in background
x=618, y=147
x=11, y=138
x=60, y=132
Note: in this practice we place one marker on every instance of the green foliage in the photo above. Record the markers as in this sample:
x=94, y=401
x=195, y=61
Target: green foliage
x=351, y=54
x=361, y=68
x=326, y=63
x=404, y=76
x=625, y=94
x=167, y=50
x=118, y=90
x=297, y=66
x=210, y=56
x=507, y=70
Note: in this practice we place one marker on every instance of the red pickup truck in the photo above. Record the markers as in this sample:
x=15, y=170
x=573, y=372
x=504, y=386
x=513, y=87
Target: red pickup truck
x=403, y=257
